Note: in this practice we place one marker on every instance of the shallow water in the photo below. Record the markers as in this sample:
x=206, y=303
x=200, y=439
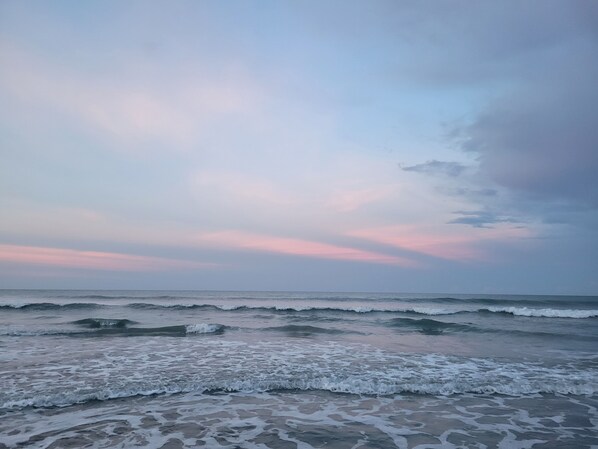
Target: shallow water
x=310, y=419
x=242, y=369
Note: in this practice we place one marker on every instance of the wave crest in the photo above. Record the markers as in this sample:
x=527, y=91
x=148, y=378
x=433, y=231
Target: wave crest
x=98, y=323
x=544, y=313
x=204, y=328
x=348, y=385
x=427, y=310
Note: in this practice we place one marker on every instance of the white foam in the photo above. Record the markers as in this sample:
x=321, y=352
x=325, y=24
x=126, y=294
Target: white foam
x=105, y=322
x=435, y=310
x=257, y=420
x=203, y=328
x=547, y=313
x=345, y=308
x=229, y=307
x=166, y=366
x=351, y=385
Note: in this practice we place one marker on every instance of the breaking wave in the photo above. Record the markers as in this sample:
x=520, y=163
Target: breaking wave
x=507, y=383
x=431, y=327
x=98, y=323
x=544, y=313
x=337, y=308
x=100, y=327
x=204, y=328
x=51, y=306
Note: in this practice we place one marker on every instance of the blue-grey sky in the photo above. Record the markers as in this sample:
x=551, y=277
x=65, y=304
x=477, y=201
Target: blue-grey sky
x=426, y=146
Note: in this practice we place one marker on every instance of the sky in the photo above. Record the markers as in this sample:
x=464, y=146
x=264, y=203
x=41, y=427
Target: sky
x=413, y=146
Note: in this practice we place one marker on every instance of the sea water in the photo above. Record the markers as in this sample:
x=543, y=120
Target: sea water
x=185, y=369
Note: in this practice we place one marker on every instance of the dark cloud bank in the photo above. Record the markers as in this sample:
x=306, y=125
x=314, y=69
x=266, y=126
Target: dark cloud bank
x=537, y=138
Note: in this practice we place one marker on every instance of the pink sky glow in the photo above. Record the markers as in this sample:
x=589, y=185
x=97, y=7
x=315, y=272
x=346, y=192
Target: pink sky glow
x=298, y=247
x=451, y=246
x=68, y=258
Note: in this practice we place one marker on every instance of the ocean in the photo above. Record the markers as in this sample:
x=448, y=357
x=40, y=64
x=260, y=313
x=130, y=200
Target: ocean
x=187, y=369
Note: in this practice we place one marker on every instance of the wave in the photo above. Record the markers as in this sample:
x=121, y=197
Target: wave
x=244, y=307
x=235, y=307
x=216, y=364
x=432, y=327
x=204, y=328
x=97, y=323
x=164, y=331
x=38, y=333
x=543, y=313
x=99, y=327
x=51, y=306
x=301, y=308
x=335, y=384
x=512, y=300
x=295, y=330
x=127, y=297
x=357, y=309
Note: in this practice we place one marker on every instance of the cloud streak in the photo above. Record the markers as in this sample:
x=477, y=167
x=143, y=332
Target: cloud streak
x=245, y=241
x=93, y=260
x=480, y=218
x=456, y=246
x=369, y=138
x=453, y=169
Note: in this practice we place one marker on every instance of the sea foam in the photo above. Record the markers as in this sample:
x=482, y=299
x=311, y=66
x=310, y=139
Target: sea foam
x=208, y=365
x=545, y=313
x=203, y=328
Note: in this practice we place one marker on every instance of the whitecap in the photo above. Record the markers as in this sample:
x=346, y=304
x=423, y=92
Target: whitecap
x=546, y=313
x=203, y=328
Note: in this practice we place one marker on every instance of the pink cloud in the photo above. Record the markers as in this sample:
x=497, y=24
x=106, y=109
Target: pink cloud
x=69, y=258
x=297, y=247
x=450, y=244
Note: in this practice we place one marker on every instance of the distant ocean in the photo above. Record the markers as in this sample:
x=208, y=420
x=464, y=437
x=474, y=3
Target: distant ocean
x=186, y=369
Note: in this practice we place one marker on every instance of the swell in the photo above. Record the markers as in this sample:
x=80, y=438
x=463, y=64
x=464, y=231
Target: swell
x=306, y=330
x=98, y=323
x=530, y=301
x=422, y=310
x=542, y=312
x=429, y=326
x=529, y=312
x=121, y=328
x=274, y=308
x=127, y=297
x=216, y=364
x=51, y=306
x=334, y=384
x=507, y=300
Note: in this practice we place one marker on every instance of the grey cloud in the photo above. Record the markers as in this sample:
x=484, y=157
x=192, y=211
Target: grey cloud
x=490, y=41
x=472, y=193
x=480, y=218
x=435, y=167
x=460, y=42
x=542, y=142
x=483, y=192
x=456, y=42
x=537, y=140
